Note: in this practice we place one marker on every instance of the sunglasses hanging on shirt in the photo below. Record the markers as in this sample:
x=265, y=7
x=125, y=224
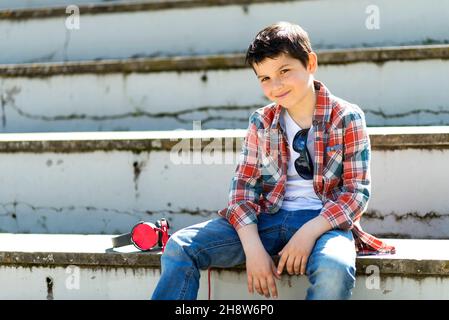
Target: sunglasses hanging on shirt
x=303, y=164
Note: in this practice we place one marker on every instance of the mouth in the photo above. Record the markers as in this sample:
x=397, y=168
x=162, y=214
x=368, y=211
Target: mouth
x=282, y=95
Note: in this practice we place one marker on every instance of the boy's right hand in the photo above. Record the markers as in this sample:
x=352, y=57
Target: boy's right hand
x=261, y=273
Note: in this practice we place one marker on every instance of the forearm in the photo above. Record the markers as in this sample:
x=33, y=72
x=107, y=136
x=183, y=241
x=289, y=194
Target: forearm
x=317, y=226
x=249, y=236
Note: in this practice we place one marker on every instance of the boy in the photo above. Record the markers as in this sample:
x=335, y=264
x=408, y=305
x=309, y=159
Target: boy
x=299, y=190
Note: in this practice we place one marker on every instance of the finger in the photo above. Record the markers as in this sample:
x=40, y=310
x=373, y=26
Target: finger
x=297, y=265
x=304, y=264
x=264, y=285
x=289, y=265
x=250, y=284
x=274, y=270
x=257, y=286
x=273, y=288
x=281, y=263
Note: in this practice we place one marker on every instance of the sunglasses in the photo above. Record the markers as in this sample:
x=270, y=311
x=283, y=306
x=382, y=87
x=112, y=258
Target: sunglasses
x=304, y=164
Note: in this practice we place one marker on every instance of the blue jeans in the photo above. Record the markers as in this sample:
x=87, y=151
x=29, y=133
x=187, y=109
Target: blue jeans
x=215, y=243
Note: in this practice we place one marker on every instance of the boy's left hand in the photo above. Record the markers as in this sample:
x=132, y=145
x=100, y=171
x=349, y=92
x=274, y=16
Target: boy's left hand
x=295, y=254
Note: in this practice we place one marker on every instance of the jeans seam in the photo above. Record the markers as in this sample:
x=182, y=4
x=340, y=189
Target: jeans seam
x=186, y=281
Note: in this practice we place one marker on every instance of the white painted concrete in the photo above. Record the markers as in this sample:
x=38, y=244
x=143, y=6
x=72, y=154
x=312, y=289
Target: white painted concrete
x=93, y=284
x=123, y=284
x=394, y=93
x=98, y=192
x=205, y=30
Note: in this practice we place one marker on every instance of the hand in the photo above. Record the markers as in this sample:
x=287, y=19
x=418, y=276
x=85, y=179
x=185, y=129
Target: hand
x=295, y=254
x=261, y=272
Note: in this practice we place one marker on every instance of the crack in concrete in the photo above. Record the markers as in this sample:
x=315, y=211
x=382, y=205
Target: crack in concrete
x=66, y=44
x=135, y=213
x=427, y=217
x=10, y=101
x=8, y=98
x=405, y=114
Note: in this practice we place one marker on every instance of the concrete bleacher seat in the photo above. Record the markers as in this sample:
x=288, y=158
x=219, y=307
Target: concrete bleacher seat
x=105, y=182
x=45, y=264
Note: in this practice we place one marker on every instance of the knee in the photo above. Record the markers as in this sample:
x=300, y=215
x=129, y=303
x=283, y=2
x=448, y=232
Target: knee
x=177, y=246
x=332, y=278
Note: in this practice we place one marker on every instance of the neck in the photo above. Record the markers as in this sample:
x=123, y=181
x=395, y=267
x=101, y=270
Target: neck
x=302, y=113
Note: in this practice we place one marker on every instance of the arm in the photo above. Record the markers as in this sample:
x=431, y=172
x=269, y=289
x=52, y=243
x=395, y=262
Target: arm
x=245, y=189
x=242, y=212
x=260, y=267
x=356, y=187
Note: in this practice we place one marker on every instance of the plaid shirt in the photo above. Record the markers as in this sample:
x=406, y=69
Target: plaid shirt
x=341, y=168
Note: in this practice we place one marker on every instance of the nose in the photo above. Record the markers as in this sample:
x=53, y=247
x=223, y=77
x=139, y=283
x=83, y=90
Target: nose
x=277, y=85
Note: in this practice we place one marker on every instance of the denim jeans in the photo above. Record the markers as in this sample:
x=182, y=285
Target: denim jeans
x=215, y=243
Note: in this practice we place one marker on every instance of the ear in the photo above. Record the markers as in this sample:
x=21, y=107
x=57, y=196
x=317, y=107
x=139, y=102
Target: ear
x=313, y=62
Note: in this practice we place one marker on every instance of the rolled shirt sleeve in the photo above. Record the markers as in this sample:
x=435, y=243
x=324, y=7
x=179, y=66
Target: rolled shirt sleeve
x=243, y=205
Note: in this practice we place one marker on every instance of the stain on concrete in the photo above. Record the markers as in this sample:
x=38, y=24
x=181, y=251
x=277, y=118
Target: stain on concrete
x=49, y=282
x=138, y=167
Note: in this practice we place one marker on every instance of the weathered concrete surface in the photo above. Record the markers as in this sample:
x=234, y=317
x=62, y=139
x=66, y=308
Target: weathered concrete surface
x=192, y=27
x=414, y=257
x=392, y=88
x=79, y=267
x=106, y=182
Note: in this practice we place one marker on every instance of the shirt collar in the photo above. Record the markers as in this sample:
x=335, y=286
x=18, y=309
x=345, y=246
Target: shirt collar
x=322, y=111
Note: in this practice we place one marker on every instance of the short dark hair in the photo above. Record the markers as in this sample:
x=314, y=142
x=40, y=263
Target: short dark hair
x=278, y=38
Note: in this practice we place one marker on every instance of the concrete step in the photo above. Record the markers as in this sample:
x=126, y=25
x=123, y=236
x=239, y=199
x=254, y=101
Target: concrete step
x=168, y=28
x=103, y=183
x=37, y=266
x=393, y=88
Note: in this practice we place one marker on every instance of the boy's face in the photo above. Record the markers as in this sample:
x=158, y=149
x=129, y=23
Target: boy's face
x=285, y=80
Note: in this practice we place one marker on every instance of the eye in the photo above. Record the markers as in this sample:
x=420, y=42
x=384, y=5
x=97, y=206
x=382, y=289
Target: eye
x=263, y=79
x=285, y=70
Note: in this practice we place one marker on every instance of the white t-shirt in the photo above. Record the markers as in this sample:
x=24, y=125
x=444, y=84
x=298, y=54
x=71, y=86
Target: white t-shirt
x=299, y=193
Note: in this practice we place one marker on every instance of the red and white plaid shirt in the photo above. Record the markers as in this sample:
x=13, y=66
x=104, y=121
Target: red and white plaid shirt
x=341, y=168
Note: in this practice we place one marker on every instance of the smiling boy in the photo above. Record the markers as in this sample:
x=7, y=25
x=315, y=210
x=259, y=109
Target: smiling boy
x=299, y=190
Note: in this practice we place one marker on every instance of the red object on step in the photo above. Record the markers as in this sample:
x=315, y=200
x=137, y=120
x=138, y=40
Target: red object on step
x=144, y=235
